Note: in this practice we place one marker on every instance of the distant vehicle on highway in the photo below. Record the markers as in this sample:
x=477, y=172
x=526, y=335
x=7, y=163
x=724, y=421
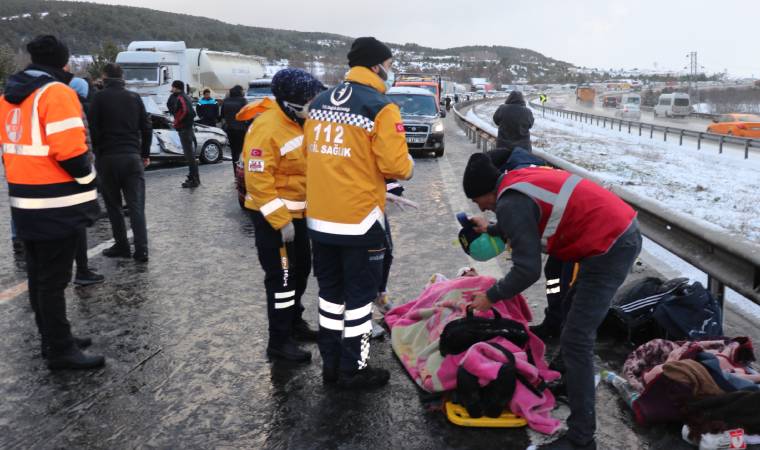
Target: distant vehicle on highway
x=166, y=145
x=258, y=89
x=585, y=95
x=676, y=104
x=629, y=107
x=742, y=125
x=422, y=118
x=610, y=101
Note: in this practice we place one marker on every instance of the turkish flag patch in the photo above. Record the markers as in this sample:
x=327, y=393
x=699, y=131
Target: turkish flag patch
x=255, y=152
x=399, y=127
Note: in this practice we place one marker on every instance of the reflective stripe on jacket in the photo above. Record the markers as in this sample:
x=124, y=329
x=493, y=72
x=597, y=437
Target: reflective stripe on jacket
x=274, y=164
x=579, y=218
x=354, y=139
x=47, y=166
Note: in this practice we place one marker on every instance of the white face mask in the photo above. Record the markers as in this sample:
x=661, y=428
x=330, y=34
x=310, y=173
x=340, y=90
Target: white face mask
x=301, y=111
x=388, y=76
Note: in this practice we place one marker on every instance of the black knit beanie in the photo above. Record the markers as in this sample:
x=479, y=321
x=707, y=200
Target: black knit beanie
x=480, y=176
x=48, y=51
x=368, y=52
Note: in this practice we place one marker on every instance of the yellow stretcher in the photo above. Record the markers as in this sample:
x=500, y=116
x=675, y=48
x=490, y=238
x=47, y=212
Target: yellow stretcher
x=457, y=414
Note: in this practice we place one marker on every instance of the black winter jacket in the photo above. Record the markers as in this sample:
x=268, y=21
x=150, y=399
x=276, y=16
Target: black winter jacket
x=208, y=112
x=118, y=121
x=181, y=107
x=515, y=121
x=230, y=107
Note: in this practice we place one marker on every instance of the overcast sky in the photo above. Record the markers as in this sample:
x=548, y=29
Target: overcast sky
x=594, y=33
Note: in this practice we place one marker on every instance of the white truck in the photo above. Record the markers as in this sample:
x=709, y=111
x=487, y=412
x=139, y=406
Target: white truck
x=150, y=67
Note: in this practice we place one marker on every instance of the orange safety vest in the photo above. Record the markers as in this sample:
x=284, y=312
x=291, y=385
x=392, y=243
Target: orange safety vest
x=49, y=173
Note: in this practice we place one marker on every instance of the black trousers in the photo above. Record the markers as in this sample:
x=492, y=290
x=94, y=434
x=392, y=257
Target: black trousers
x=349, y=279
x=81, y=251
x=124, y=174
x=286, y=274
x=187, y=138
x=48, y=267
x=236, y=137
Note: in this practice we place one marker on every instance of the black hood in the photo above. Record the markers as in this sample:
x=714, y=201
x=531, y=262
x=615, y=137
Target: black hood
x=515, y=98
x=21, y=85
x=117, y=83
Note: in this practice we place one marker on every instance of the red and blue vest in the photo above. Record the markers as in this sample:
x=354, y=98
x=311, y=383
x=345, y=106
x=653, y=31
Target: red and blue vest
x=579, y=218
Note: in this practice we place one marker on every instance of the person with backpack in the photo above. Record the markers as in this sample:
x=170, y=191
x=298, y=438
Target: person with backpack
x=571, y=219
x=180, y=105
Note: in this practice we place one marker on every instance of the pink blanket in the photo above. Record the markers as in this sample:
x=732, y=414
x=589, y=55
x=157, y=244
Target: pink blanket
x=416, y=328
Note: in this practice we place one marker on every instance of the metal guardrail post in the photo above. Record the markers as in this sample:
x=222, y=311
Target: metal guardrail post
x=605, y=122
x=717, y=289
x=629, y=127
x=639, y=128
x=665, y=135
x=699, y=141
x=620, y=125
x=720, y=147
x=680, y=138
x=651, y=131
x=746, y=148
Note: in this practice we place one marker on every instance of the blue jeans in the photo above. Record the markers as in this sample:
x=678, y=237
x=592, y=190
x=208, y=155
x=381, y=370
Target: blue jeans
x=598, y=281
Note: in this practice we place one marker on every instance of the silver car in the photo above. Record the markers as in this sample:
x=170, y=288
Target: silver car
x=210, y=141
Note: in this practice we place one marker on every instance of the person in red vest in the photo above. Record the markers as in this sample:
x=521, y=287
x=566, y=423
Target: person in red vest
x=572, y=219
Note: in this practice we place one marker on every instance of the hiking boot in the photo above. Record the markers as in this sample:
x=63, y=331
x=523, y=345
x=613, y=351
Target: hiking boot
x=302, y=332
x=80, y=342
x=74, y=358
x=288, y=351
x=141, y=256
x=564, y=443
x=367, y=378
x=117, y=251
x=88, y=277
x=191, y=184
x=329, y=375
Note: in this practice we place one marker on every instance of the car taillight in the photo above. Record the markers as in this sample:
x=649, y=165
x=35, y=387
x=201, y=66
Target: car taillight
x=741, y=126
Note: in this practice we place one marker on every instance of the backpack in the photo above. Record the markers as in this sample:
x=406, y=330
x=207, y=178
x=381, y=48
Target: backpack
x=689, y=312
x=631, y=315
x=460, y=334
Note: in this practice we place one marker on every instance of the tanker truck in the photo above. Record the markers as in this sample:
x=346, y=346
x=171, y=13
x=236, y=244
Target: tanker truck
x=150, y=67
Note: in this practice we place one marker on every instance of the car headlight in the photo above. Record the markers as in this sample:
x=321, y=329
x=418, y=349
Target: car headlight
x=438, y=127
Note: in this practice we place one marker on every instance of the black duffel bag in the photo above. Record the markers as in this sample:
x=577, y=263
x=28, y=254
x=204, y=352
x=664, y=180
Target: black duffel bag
x=460, y=334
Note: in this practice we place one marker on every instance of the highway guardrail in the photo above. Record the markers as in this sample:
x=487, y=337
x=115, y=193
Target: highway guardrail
x=728, y=260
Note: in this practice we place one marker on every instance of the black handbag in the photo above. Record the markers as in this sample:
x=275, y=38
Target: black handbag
x=460, y=334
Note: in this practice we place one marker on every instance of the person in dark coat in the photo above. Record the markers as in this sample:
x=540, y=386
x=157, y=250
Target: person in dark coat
x=235, y=129
x=121, y=136
x=207, y=109
x=514, y=120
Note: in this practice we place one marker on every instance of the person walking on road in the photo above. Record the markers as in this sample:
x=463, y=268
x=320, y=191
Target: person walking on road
x=234, y=128
x=121, y=136
x=85, y=275
x=207, y=109
x=51, y=184
x=180, y=105
x=354, y=140
x=573, y=220
x=514, y=120
x=275, y=180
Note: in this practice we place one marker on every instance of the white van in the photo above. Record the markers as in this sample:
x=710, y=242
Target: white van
x=629, y=107
x=676, y=104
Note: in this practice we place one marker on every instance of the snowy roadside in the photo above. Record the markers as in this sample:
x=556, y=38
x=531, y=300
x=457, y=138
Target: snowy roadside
x=721, y=190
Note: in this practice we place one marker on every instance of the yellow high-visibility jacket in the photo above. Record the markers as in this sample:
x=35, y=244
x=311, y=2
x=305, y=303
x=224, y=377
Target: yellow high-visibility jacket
x=274, y=164
x=354, y=140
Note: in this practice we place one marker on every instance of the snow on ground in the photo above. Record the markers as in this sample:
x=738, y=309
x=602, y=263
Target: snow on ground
x=721, y=190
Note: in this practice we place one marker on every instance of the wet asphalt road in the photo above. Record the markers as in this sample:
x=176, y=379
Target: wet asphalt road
x=185, y=338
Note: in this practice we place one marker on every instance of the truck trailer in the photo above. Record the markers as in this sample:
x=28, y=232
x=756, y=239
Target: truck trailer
x=150, y=67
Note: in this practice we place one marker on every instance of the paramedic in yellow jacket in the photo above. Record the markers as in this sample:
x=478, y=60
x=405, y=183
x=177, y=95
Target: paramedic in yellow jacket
x=354, y=140
x=275, y=181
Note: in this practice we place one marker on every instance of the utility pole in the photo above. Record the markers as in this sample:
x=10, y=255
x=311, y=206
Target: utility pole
x=693, y=76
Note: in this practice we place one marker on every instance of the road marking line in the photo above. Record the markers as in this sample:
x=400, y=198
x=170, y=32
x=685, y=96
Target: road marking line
x=14, y=291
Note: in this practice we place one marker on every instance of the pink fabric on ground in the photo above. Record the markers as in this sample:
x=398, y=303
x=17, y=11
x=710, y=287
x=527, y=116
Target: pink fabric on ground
x=416, y=328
